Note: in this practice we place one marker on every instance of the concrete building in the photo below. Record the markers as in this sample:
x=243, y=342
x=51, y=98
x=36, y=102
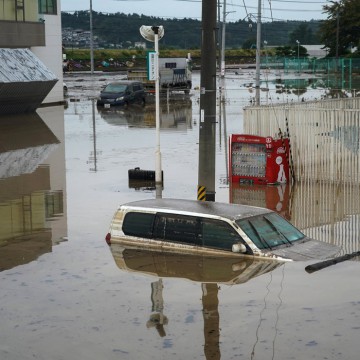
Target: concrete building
x=30, y=51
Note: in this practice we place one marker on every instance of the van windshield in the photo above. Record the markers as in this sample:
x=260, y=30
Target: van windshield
x=269, y=230
x=115, y=88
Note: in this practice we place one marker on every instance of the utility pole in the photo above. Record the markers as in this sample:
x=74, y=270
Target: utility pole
x=258, y=50
x=337, y=38
x=207, y=131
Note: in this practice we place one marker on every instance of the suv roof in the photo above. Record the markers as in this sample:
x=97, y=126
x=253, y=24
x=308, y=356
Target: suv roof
x=230, y=211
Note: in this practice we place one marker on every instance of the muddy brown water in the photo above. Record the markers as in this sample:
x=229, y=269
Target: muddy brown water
x=65, y=295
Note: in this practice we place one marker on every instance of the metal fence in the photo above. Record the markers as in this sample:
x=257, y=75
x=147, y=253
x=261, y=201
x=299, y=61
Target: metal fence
x=339, y=70
x=324, y=136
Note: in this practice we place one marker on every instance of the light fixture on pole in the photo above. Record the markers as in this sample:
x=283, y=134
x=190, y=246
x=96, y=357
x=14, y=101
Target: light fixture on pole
x=153, y=34
x=266, y=55
x=298, y=54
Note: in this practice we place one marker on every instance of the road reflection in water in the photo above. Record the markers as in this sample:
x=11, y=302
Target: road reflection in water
x=28, y=200
x=208, y=270
x=173, y=115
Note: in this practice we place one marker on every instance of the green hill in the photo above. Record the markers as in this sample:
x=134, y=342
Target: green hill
x=122, y=31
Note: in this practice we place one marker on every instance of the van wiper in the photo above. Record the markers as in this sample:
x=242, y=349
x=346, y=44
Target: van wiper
x=262, y=240
x=278, y=231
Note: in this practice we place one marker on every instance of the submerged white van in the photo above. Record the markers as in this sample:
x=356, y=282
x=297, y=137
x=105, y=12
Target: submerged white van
x=213, y=228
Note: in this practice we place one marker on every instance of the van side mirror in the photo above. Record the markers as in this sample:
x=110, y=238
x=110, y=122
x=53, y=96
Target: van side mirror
x=239, y=248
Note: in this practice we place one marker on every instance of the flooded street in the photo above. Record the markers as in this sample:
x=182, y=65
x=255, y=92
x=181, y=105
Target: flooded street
x=65, y=295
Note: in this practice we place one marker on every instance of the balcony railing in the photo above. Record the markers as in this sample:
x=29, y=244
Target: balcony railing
x=15, y=34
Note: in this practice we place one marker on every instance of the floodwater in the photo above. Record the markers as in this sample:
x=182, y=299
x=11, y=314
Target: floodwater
x=65, y=295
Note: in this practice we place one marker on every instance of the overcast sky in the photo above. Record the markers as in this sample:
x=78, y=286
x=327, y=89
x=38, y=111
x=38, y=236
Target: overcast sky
x=235, y=9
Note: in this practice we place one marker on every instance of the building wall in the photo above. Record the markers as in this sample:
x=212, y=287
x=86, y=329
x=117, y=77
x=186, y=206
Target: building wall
x=41, y=33
x=21, y=34
x=51, y=54
x=28, y=13
x=20, y=26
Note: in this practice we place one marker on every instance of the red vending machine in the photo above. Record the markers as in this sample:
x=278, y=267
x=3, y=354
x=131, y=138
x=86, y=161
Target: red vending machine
x=258, y=160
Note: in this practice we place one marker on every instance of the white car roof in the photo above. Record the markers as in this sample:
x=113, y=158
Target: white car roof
x=195, y=207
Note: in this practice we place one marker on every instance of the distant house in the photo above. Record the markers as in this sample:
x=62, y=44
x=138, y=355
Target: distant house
x=30, y=37
x=140, y=44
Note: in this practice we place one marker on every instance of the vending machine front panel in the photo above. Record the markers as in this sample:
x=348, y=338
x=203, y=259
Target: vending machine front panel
x=258, y=160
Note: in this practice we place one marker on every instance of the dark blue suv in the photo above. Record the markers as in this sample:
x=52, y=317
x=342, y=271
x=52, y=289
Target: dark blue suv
x=122, y=92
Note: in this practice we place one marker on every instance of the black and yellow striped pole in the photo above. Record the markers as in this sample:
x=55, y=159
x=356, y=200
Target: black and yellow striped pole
x=201, y=193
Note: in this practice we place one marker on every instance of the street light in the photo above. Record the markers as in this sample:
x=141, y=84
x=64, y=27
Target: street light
x=222, y=63
x=91, y=41
x=298, y=55
x=153, y=34
x=266, y=55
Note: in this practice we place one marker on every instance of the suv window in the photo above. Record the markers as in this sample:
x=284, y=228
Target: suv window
x=137, y=87
x=183, y=229
x=177, y=228
x=138, y=224
x=269, y=230
x=218, y=234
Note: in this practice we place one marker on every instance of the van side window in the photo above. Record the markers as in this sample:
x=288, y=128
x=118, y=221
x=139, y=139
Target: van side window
x=138, y=224
x=184, y=229
x=218, y=234
x=170, y=65
x=136, y=87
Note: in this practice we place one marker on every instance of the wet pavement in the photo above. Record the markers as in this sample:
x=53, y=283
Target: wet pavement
x=64, y=294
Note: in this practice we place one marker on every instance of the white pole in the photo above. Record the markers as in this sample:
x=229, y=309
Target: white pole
x=298, y=44
x=222, y=71
x=158, y=176
x=91, y=41
x=258, y=49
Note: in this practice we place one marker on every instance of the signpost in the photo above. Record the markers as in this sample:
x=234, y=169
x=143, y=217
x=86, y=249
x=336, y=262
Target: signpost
x=151, y=65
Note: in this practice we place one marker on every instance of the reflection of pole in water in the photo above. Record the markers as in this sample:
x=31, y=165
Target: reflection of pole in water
x=264, y=320
x=157, y=318
x=211, y=321
x=94, y=137
x=206, y=175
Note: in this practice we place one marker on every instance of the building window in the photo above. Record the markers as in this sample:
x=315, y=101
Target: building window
x=47, y=7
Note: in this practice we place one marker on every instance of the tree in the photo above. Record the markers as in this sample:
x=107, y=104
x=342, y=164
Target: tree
x=249, y=43
x=291, y=51
x=341, y=30
x=283, y=51
x=304, y=34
